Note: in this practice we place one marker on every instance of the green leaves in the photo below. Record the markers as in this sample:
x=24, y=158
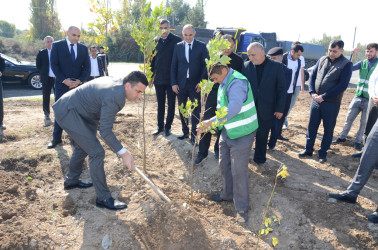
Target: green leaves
x=206, y=86
x=145, y=31
x=274, y=241
x=216, y=48
x=188, y=109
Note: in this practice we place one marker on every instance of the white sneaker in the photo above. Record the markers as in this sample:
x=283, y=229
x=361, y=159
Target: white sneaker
x=284, y=127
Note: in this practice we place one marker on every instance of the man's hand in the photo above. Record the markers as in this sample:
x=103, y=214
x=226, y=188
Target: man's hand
x=127, y=160
x=206, y=124
x=313, y=96
x=278, y=115
x=175, y=88
x=68, y=82
x=198, y=88
x=355, y=50
x=319, y=99
x=75, y=83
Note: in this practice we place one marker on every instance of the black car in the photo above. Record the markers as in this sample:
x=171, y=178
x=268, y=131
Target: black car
x=25, y=73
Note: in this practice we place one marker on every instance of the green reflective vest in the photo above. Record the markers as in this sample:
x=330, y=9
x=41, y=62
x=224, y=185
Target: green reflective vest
x=245, y=122
x=363, y=82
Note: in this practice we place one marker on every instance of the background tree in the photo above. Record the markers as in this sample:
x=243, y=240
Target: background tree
x=104, y=22
x=324, y=41
x=180, y=9
x=7, y=29
x=144, y=31
x=44, y=20
x=196, y=15
x=122, y=47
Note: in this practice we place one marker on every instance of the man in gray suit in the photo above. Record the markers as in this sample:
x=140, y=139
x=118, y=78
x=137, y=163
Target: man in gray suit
x=368, y=162
x=80, y=112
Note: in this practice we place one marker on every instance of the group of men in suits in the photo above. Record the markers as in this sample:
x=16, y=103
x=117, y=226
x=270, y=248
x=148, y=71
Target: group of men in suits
x=98, y=67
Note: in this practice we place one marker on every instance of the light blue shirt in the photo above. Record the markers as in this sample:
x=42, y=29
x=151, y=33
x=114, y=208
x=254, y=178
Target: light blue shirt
x=74, y=47
x=237, y=89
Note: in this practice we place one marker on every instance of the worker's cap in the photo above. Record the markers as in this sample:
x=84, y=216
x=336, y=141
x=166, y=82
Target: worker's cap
x=276, y=51
x=101, y=47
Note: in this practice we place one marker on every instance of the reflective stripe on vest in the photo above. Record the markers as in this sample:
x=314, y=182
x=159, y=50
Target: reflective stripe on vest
x=363, y=81
x=245, y=122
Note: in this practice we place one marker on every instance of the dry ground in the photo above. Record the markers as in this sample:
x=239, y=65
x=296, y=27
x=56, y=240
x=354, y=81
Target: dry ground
x=36, y=213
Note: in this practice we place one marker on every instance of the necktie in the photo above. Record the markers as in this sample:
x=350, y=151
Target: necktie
x=190, y=50
x=72, y=53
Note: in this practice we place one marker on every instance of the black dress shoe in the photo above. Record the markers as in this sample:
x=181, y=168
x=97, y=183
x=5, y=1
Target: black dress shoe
x=322, y=160
x=111, y=203
x=158, y=131
x=357, y=155
x=79, y=184
x=167, y=132
x=282, y=138
x=343, y=197
x=199, y=158
x=338, y=140
x=53, y=143
x=357, y=146
x=182, y=137
x=304, y=153
x=374, y=217
x=217, y=198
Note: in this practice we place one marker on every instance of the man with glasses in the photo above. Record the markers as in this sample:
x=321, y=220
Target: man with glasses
x=71, y=66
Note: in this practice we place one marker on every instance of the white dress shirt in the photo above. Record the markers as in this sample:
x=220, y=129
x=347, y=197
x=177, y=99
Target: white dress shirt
x=373, y=84
x=51, y=73
x=74, y=47
x=187, y=54
x=94, y=66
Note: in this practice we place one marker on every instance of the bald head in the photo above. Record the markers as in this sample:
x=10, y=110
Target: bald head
x=188, y=32
x=73, y=34
x=256, y=53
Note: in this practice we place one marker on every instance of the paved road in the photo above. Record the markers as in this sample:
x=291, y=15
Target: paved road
x=118, y=70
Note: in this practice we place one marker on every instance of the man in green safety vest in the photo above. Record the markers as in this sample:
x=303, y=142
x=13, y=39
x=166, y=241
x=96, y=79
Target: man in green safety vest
x=361, y=100
x=237, y=136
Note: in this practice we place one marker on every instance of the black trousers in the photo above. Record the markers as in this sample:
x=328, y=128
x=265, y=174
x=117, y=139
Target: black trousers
x=211, y=107
x=46, y=92
x=189, y=91
x=261, y=139
x=277, y=125
x=164, y=92
x=1, y=103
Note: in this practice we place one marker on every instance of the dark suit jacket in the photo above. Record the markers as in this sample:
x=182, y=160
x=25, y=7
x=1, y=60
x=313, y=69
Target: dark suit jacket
x=90, y=105
x=271, y=93
x=42, y=63
x=63, y=68
x=162, y=61
x=2, y=64
x=197, y=65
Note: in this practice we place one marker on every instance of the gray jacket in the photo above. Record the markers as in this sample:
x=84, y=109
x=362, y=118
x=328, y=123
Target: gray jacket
x=94, y=104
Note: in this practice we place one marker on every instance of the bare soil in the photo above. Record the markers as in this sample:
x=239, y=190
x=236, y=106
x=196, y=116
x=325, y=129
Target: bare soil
x=36, y=213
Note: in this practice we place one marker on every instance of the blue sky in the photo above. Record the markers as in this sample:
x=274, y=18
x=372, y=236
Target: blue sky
x=290, y=19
